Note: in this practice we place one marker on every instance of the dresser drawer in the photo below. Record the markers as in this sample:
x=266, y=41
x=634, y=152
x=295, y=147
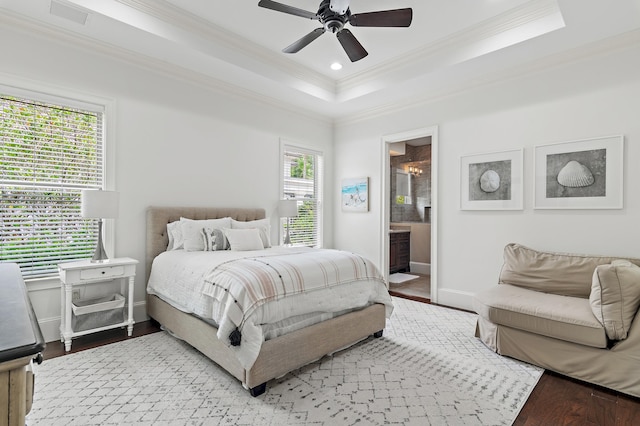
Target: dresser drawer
x=105, y=272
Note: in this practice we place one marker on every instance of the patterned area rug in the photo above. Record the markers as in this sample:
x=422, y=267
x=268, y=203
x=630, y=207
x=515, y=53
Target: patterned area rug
x=428, y=369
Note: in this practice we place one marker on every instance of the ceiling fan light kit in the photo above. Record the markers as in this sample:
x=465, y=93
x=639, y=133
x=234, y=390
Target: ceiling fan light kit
x=334, y=15
x=339, y=6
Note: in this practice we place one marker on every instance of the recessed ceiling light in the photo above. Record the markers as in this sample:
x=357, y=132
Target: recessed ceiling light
x=336, y=66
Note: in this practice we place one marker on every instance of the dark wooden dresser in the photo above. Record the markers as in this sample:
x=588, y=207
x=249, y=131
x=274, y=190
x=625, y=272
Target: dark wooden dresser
x=20, y=342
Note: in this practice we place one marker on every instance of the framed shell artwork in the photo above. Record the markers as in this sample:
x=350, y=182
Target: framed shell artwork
x=491, y=181
x=583, y=174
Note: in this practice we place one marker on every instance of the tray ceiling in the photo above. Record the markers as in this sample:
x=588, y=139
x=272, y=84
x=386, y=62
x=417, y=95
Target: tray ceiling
x=450, y=45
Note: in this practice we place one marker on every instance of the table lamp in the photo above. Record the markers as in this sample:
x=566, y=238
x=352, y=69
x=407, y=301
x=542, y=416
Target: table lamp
x=98, y=204
x=288, y=209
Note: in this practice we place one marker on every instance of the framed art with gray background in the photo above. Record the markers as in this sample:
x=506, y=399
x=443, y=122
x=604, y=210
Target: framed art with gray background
x=491, y=181
x=583, y=174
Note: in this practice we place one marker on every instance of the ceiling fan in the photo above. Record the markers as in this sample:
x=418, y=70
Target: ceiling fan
x=334, y=15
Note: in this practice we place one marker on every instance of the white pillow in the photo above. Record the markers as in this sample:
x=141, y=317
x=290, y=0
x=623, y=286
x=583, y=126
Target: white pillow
x=263, y=225
x=176, y=239
x=244, y=239
x=192, y=231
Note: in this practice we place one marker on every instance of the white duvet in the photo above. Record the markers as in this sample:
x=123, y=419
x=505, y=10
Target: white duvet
x=179, y=277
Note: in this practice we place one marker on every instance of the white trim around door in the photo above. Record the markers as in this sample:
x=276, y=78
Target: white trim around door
x=385, y=197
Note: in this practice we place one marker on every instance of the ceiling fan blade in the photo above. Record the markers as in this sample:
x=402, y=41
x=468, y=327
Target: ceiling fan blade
x=351, y=45
x=304, y=41
x=279, y=7
x=383, y=18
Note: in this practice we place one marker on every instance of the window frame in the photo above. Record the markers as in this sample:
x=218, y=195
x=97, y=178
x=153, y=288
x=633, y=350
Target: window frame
x=28, y=89
x=287, y=146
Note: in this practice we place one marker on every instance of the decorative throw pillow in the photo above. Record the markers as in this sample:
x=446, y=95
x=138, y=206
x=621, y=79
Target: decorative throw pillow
x=214, y=239
x=244, y=239
x=263, y=225
x=615, y=296
x=192, y=231
x=176, y=239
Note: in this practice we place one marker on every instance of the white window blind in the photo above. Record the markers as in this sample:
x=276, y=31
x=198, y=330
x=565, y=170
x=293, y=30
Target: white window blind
x=302, y=181
x=48, y=154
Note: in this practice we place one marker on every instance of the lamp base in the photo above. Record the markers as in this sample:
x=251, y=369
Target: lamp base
x=100, y=254
x=287, y=237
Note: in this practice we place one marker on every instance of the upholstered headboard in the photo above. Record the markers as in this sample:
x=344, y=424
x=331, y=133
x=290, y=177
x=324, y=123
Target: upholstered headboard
x=159, y=217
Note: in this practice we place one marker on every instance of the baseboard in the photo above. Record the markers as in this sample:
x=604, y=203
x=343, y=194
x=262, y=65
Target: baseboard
x=455, y=298
x=50, y=327
x=420, y=268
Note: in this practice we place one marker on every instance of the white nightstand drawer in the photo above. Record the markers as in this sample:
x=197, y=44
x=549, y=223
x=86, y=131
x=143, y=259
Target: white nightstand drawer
x=105, y=272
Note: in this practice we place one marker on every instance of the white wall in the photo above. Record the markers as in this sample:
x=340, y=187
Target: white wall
x=180, y=143
x=593, y=97
x=177, y=143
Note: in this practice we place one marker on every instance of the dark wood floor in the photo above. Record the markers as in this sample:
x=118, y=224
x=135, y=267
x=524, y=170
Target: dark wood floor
x=556, y=400
x=90, y=341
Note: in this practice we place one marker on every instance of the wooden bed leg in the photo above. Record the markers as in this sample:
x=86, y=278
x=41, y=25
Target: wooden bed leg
x=378, y=334
x=258, y=390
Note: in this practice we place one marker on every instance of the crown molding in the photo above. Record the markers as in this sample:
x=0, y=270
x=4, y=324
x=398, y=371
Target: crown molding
x=21, y=23
x=453, y=46
x=262, y=61
x=212, y=33
x=600, y=49
x=510, y=20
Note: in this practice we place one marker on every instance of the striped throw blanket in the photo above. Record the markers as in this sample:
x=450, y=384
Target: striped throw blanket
x=243, y=285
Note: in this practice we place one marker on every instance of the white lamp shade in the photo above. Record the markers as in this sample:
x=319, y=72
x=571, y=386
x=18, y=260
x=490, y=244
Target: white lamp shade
x=288, y=208
x=99, y=204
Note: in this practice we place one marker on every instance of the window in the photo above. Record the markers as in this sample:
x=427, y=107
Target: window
x=302, y=181
x=48, y=153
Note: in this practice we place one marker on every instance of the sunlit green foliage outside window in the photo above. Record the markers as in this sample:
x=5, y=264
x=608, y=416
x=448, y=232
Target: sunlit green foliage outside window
x=48, y=154
x=300, y=184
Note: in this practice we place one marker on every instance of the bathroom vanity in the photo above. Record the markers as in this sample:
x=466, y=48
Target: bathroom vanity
x=399, y=250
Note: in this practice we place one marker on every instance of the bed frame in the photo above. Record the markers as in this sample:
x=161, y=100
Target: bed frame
x=277, y=356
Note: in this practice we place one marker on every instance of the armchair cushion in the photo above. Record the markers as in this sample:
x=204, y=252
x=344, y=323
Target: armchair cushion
x=615, y=296
x=558, y=273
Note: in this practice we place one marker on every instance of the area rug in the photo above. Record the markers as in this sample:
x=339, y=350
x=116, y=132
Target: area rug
x=427, y=369
x=400, y=277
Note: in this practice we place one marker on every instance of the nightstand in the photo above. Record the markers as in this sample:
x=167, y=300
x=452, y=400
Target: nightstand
x=85, y=272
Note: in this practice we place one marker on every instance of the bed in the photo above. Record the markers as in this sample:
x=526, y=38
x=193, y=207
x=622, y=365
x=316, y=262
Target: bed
x=273, y=357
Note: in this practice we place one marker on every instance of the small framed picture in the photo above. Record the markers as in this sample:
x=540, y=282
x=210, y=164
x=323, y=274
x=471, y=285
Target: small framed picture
x=355, y=195
x=583, y=174
x=491, y=181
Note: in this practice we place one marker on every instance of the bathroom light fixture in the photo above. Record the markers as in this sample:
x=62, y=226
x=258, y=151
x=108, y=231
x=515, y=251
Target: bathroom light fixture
x=415, y=171
x=336, y=66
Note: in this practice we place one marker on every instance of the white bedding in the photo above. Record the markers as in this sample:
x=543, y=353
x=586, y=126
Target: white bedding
x=179, y=277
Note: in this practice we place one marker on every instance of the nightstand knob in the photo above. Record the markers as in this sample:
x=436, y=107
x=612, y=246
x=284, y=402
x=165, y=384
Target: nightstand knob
x=103, y=272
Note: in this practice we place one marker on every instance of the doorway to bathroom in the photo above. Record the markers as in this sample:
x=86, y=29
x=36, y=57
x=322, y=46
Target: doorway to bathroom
x=410, y=217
